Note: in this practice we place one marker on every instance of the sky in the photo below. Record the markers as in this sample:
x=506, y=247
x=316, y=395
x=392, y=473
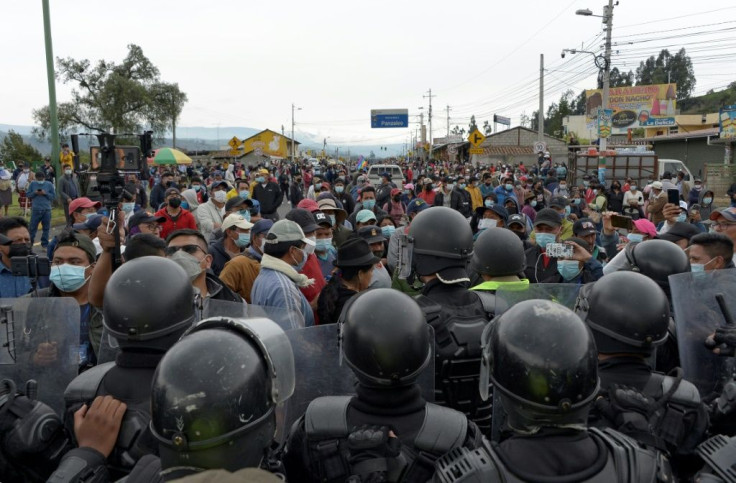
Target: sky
x=245, y=63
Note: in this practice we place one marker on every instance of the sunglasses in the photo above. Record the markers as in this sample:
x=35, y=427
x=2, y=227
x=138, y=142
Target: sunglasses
x=190, y=249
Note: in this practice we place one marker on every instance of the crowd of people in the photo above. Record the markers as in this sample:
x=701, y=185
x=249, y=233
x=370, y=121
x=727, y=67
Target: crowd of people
x=573, y=377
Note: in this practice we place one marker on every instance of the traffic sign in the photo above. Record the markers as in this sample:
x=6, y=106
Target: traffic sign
x=476, y=138
x=539, y=146
x=234, y=142
x=234, y=152
x=476, y=150
x=387, y=118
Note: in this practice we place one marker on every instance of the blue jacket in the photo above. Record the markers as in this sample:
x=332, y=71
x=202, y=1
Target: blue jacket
x=274, y=289
x=502, y=193
x=41, y=202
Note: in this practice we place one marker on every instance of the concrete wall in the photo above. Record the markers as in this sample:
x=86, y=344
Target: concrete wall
x=695, y=153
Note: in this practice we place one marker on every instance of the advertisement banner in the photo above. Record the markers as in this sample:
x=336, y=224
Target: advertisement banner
x=727, y=122
x=635, y=107
x=604, y=123
x=268, y=143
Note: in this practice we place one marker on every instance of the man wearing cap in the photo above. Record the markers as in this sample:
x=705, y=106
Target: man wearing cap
x=680, y=234
x=562, y=207
x=337, y=216
x=158, y=192
x=268, y=194
x=657, y=200
x=373, y=235
x=145, y=222
x=642, y=229
x=211, y=214
x=296, y=191
x=324, y=250
x=367, y=202
x=543, y=269
x=235, y=205
x=586, y=230
x=89, y=228
x=520, y=224
x=476, y=198
x=384, y=190
x=15, y=241
x=42, y=193
x=236, y=236
x=348, y=202
x=68, y=190
x=395, y=207
x=175, y=217
x=240, y=272
x=79, y=210
x=279, y=280
x=311, y=269
x=724, y=222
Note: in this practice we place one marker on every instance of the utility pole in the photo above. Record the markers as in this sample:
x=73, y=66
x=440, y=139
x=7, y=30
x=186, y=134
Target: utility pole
x=292, y=130
x=608, y=19
x=448, y=121
x=53, y=113
x=540, y=114
x=430, y=96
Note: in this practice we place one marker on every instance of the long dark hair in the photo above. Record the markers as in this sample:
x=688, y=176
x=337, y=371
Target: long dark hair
x=330, y=292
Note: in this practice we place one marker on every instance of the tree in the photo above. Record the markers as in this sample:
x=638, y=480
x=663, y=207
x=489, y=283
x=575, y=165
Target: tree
x=617, y=78
x=666, y=67
x=110, y=97
x=473, y=126
x=524, y=120
x=13, y=148
x=458, y=131
x=487, y=129
x=556, y=112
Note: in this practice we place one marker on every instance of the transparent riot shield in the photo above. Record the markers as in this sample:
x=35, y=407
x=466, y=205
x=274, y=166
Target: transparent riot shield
x=319, y=371
x=563, y=293
x=697, y=315
x=40, y=342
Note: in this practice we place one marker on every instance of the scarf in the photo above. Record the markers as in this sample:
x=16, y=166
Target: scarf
x=281, y=266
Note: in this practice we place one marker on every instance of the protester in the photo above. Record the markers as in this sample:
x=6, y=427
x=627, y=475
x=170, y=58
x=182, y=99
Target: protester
x=373, y=235
x=236, y=236
x=268, y=194
x=42, y=194
x=15, y=241
x=175, y=217
x=210, y=214
x=240, y=272
x=724, y=221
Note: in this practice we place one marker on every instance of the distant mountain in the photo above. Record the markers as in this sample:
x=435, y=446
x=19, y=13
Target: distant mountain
x=710, y=102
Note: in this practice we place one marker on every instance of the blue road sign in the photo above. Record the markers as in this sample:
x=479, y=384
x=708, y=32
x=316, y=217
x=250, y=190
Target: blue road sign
x=387, y=118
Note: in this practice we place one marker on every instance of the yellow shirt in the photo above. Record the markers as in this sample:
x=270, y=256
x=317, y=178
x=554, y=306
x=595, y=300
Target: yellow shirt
x=475, y=196
x=66, y=160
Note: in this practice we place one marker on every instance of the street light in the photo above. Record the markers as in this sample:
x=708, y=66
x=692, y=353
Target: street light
x=293, y=107
x=585, y=12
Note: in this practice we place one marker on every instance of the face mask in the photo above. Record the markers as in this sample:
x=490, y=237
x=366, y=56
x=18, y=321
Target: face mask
x=462, y=186
x=569, y=269
x=633, y=187
x=681, y=217
x=260, y=179
x=263, y=244
x=87, y=216
x=68, y=278
x=332, y=219
x=369, y=204
x=189, y=263
x=635, y=237
x=396, y=198
x=568, y=210
x=26, y=171
x=595, y=192
x=300, y=265
x=323, y=244
x=339, y=189
x=220, y=196
x=185, y=205
x=243, y=240
x=68, y=172
x=245, y=214
x=698, y=187
x=196, y=187
x=486, y=223
x=533, y=203
x=388, y=230
x=488, y=183
x=563, y=186
x=544, y=239
x=128, y=207
x=707, y=201
x=522, y=235
x=576, y=201
x=488, y=203
x=19, y=250
x=309, y=249
x=509, y=186
x=586, y=184
x=175, y=202
x=244, y=194
x=407, y=192
x=450, y=186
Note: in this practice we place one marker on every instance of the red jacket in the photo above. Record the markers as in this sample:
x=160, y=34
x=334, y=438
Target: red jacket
x=312, y=269
x=184, y=220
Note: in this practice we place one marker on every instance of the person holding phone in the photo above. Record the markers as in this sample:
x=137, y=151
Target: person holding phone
x=657, y=200
x=42, y=193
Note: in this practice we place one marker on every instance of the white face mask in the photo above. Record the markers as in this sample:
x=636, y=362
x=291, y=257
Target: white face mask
x=309, y=249
x=487, y=223
x=220, y=196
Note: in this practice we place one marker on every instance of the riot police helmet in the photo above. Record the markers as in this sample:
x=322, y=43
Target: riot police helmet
x=498, y=252
x=149, y=304
x=384, y=338
x=627, y=312
x=657, y=259
x=215, y=391
x=542, y=358
x=442, y=242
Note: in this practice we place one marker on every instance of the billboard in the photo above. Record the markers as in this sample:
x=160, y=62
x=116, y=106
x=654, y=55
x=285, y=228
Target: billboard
x=727, y=122
x=387, y=118
x=267, y=143
x=634, y=107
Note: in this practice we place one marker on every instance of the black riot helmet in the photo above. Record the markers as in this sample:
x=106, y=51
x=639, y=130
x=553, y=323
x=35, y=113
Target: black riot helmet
x=627, y=312
x=542, y=358
x=498, y=252
x=385, y=338
x=215, y=391
x=657, y=259
x=442, y=241
x=148, y=304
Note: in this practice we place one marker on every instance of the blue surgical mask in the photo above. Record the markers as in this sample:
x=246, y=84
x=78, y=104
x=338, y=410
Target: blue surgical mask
x=682, y=217
x=369, y=204
x=544, y=239
x=697, y=267
x=184, y=205
x=533, y=203
x=461, y=186
x=68, y=278
x=488, y=203
x=707, y=201
x=300, y=265
x=87, y=216
x=196, y=187
x=245, y=214
x=388, y=230
x=323, y=244
x=568, y=210
x=635, y=237
x=576, y=201
x=569, y=269
x=243, y=240
x=332, y=219
x=339, y=189
x=509, y=187
x=633, y=187
x=128, y=207
x=245, y=194
x=260, y=179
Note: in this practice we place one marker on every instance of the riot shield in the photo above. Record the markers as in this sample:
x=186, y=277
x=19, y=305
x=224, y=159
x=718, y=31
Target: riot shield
x=697, y=315
x=40, y=342
x=320, y=372
x=563, y=293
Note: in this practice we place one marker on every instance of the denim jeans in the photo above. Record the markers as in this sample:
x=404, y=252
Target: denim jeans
x=43, y=217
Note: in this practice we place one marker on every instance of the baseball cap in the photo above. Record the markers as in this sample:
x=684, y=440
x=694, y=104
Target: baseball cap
x=645, y=226
x=80, y=241
x=236, y=220
x=679, y=231
x=417, y=205
x=217, y=184
x=365, y=215
x=728, y=213
x=171, y=191
x=83, y=202
x=236, y=201
x=308, y=204
x=409, y=186
x=683, y=205
x=584, y=244
x=255, y=208
x=91, y=223
x=517, y=218
x=371, y=234
x=657, y=185
x=549, y=217
x=322, y=219
x=263, y=171
x=303, y=218
x=496, y=208
x=261, y=226
x=286, y=231
x=395, y=191
x=584, y=227
x=144, y=217
x=559, y=202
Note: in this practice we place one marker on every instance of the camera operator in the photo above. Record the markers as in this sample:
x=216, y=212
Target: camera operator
x=14, y=242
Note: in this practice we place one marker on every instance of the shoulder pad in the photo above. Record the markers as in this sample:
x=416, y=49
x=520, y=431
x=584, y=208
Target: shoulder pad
x=488, y=300
x=428, y=306
x=326, y=417
x=633, y=463
x=719, y=452
x=479, y=465
x=686, y=392
x=443, y=429
x=84, y=387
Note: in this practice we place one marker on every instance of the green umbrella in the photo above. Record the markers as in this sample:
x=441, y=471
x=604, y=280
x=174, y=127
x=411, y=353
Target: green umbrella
x=171, y=156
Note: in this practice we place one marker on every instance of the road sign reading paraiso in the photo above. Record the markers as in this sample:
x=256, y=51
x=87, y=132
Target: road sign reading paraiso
x=475, y=138
x=387, y=118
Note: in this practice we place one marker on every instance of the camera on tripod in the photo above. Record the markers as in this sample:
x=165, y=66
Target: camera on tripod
x=31, y=266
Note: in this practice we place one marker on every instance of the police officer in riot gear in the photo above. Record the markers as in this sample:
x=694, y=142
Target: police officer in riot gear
x=542, y=359
x=499, y=260
x=148, y=306
x=212, y=408
x=629, y=315
x=387, y=430
x=442, y=246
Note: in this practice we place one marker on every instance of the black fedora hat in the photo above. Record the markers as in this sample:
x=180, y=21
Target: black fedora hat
x=355, y=252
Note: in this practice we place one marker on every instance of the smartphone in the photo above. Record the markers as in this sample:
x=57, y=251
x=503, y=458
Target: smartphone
x=673, y=196
x=559, y=250
x=620, y=221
